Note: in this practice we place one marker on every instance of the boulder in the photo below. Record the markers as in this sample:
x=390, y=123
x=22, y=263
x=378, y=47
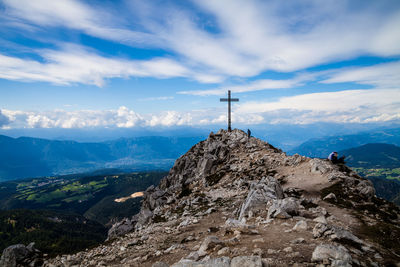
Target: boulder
x=120, y=228
x=320, y=166
x=248, y=261
x=143, y=217
x=366, y=188
x=21, y=255
x=209, y=242
x=330, y=197
x=336, y=233
x=337, y=255
x=284, y=208
x=320, y=219
x=260, y=195
x=217, y=262
x=300, y=225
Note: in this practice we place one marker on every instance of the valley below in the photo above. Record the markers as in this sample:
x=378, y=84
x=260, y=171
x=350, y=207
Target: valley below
x=64, y=214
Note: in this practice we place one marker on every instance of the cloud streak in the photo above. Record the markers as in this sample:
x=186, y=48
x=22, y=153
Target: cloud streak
x=360, y=106
x=385, y=75
x=74, y=64
x=77, y=15
x=247, y=37
x=256, y=85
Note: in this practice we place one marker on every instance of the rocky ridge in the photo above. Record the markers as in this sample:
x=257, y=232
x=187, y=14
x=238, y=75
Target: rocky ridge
x=238, y=201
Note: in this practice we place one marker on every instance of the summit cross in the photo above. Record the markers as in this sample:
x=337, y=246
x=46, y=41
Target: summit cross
x=229, y=100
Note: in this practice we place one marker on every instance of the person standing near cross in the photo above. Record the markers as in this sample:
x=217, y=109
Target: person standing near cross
x=229, y=100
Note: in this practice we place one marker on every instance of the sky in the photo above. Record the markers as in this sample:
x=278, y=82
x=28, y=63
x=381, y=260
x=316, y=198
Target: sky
x=71, y=64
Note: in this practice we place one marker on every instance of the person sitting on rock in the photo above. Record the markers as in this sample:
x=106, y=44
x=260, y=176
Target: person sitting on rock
x=333, y=157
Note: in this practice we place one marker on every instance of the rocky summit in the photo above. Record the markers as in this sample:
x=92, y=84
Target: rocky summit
x=238, y=201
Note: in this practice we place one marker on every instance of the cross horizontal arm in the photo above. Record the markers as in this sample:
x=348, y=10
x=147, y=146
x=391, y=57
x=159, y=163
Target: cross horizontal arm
x=227, y=99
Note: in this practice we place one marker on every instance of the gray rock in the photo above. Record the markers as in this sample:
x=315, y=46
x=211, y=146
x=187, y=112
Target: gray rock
x=20, y=255
x=159, y=264
x=320, y=166
x=284, y=208
x=223, y=251
x=260, y=194
x=248, y=261
x=366, y=188
x=298, y=241
x=300, y=225
x=143, y=217
x=193, y=256
x=288, y=250
x=209, y=243
x=335, y=233
x=330, y=196
x=121, y=228
x=320, y=219
x=217, y=262
x=337, y=255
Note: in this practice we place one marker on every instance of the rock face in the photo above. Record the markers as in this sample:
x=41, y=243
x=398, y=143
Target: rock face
x=260, y=195
x=238, y=201
x=21, y=255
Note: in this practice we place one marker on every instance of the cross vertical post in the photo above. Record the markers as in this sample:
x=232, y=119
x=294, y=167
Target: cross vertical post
x=229, y=100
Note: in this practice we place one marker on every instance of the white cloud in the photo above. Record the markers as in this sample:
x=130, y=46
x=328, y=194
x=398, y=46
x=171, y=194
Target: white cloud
x=74, y=64
x=247, y=37
x=385, y=75
x=254, y=36
x=352, y=106
x=121, y=118
x=256, y=85
x=360, y=106
x=77, y=15
x=170, y=118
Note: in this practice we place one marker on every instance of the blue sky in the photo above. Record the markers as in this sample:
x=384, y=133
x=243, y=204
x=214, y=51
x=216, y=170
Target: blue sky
x=131, y=64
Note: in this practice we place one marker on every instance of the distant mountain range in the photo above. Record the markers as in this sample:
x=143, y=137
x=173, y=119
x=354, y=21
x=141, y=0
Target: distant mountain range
x=373, y=156
x=26, y=157
x=34, y=157
x=321, y=147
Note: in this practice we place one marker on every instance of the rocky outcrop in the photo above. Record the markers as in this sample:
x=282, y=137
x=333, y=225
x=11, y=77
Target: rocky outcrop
x=334, y=255
x=121, y=228
x=284, y=208
x=337, y=234
x=204, y=165
x=238, y=201
x=21, y=255
x=261, y=194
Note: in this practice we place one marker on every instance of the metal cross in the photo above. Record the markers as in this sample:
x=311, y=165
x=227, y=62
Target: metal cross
x=229, y=100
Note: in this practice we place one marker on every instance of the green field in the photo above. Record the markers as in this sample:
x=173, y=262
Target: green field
x=392, y=174
x=92, y=196
x=67, y=213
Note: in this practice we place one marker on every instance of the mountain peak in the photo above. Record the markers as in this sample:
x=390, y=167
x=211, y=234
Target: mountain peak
x=233, y=200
